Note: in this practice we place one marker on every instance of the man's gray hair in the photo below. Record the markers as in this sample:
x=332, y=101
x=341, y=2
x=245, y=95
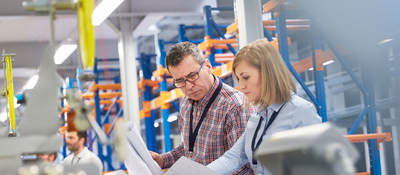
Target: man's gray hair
x=179, y=51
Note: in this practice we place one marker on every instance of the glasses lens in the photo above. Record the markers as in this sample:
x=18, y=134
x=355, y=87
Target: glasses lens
x=179, y=83
x=193, y=76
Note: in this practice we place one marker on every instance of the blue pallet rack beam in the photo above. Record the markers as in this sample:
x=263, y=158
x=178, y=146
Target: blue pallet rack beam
x=182, y=33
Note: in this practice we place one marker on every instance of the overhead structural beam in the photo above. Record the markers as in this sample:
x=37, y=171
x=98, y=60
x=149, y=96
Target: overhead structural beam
x=248, y=13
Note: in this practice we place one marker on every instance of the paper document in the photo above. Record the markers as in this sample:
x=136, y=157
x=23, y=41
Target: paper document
x=185, y=166
x=139, y=160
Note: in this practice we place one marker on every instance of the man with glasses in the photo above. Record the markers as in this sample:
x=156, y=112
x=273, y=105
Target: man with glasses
x=212, y=114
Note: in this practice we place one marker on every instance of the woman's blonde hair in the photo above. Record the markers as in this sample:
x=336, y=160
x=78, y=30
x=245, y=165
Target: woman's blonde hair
x=276, y=80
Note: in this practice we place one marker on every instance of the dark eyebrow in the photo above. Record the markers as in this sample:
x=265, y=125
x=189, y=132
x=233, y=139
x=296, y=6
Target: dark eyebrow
x=179, y=79
x=184, y=76
x=190, y=73
x=241, y=74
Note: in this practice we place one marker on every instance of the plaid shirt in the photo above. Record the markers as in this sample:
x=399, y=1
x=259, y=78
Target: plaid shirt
x=223, y=125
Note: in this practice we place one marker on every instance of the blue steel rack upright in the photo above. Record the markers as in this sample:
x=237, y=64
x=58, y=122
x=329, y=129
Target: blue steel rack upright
x=164, y=89
x=145, y=64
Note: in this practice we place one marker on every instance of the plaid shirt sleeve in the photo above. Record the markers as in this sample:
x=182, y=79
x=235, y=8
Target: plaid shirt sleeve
x=236, y=124
x=171, y=157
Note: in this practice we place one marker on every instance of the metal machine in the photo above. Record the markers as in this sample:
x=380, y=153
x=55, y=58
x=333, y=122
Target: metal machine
x=312, y=150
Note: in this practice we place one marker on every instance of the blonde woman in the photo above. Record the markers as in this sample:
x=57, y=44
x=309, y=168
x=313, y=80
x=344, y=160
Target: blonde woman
x=268, y=85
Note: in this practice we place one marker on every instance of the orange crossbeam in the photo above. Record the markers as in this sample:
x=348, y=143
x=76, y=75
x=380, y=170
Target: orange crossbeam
x=208, y=43
x=321, y=57
x=109, y=86
x=223, y=60
x=223, y=41
x=165, y=97
x=224, y=55
x=232, y=28
x=153, y=83
x=365, y=137
x=271, y=5
x=160, y=72
x=363, y=173
x=108, y=102
x=102, y=95
x=205, y=44
x=105, y=87
x=224, y=46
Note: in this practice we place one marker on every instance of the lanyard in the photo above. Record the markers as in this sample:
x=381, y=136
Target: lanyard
x=193, y=134
x=255, y=146
x=77, y=160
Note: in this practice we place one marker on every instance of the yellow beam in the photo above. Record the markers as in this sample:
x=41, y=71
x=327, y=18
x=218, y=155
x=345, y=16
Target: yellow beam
x=86, y=33
x=10, y=90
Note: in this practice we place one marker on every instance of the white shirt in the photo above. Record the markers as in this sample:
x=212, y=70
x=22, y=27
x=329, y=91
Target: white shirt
x=296, y=113
x=84, y=157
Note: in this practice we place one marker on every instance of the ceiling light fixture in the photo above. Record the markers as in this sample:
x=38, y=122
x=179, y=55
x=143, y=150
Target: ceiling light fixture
x=63, y=52
x=103, y=10
x=31, y=82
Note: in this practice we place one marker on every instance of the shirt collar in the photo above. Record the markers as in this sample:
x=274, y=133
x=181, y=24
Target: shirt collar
x=273, y=107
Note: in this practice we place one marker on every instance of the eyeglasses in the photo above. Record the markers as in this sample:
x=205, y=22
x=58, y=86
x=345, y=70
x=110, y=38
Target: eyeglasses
x=191, y=77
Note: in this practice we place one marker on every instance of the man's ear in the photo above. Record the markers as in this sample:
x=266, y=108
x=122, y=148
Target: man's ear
x=208, y=65
x=82, y=141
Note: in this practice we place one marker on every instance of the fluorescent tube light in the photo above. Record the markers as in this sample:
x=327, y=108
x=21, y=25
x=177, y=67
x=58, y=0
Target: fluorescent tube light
x=3, y=116
x=328, y=62
x=63, y=52
x=31, y=82
x=324, y=64
x=172, y=118
x=103, y=10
